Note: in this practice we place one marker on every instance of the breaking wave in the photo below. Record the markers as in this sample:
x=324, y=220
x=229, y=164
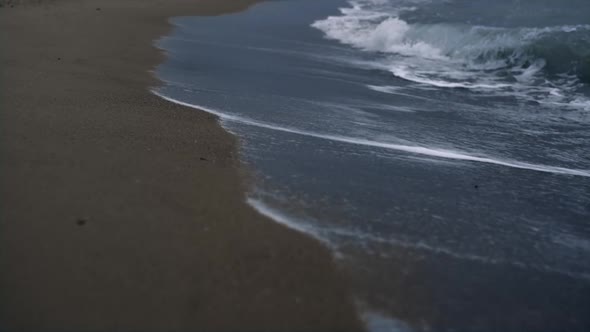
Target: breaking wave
x=549, y=65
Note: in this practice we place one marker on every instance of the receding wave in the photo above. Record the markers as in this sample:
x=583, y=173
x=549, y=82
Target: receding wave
x=420, y=150
x=328, y=234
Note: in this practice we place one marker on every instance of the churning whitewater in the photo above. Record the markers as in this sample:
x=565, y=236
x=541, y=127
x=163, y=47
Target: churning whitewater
x=548, y=65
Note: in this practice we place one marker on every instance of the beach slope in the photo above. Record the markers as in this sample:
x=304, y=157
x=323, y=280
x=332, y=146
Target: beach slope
x=120, y=211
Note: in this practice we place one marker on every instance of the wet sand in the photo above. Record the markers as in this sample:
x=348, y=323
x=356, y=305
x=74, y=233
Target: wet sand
x=123, y=212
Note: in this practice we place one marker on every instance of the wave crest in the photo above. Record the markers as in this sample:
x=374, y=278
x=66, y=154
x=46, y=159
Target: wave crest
x=531, y=61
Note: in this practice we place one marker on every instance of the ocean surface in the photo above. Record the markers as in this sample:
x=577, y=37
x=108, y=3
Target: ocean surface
x=441, y=148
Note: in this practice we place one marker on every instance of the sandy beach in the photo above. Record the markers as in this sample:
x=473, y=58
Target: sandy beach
x=123, y=212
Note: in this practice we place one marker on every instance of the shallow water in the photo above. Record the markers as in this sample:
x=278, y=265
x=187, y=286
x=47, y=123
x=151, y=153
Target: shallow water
x=441, y=148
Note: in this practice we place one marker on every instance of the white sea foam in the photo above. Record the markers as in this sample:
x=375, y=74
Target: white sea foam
x=422, y=77
x=374, y=31
x=455, y=56
x=366, y=25
x=377, y=322
x=419, y=150
x=330, y=235
x=301, y=226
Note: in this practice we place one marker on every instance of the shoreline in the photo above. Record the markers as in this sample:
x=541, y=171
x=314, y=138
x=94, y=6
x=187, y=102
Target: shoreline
x=122, y=211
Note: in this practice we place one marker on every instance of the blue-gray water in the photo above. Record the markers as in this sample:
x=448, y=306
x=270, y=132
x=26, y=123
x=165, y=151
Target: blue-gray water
x=441, y=148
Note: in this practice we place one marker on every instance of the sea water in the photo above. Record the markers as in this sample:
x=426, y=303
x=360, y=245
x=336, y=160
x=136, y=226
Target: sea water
x=440, y=148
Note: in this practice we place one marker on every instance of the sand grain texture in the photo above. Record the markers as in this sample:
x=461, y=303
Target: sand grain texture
x=122, y=212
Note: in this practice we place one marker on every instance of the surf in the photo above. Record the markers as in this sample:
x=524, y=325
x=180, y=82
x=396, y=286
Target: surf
x=524, y=62
x=418, y=150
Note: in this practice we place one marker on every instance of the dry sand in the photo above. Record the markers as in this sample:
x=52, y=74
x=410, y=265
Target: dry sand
x=122, y=212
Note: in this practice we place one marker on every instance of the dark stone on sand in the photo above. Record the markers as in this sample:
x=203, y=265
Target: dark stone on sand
x=81, y=222
x=204, y=159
